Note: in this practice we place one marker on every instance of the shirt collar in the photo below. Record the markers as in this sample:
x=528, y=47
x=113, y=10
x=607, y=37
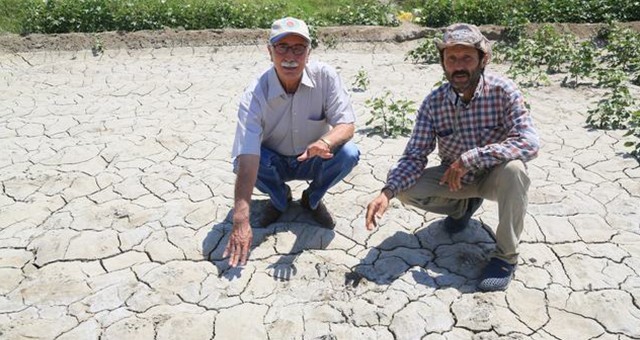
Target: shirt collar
x=277, y=90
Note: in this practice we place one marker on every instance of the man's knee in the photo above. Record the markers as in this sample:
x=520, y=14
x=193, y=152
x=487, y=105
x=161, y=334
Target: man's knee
x=403, y=197
x=349, y=155
x=514, y=175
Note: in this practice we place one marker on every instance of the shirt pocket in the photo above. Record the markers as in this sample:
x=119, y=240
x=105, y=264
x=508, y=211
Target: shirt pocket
x=316, y=128
x=448, y=141
x=317, y=117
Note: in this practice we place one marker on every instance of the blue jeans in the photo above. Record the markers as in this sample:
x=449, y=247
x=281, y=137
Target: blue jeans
x=276, y=169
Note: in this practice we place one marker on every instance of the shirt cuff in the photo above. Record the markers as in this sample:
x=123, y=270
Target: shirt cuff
x=469, y=159
x=391, y=188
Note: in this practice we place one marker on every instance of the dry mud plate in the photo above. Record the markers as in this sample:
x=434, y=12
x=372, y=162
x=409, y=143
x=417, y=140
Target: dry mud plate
x=116, y=187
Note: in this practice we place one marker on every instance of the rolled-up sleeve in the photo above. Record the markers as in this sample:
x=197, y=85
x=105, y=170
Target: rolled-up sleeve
x=337, y=102
x=249, y=128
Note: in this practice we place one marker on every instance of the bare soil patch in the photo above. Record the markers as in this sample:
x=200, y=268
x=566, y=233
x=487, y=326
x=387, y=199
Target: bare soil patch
x=169, y=38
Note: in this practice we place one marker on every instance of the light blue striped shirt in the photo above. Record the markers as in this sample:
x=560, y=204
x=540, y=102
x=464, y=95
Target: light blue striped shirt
x=288, y=123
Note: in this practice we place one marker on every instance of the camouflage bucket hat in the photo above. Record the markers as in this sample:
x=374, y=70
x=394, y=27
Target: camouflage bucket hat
x=464, y=34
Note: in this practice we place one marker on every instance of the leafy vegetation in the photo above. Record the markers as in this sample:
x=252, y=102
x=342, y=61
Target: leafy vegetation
x=361, y=81
x=390, y=117
x=58, y=16
x=426, y=53
x=62, y=16
x=438, y=13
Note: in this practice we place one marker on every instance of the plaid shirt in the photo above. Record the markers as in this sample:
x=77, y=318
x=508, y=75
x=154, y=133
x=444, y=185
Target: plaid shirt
x=494, y=127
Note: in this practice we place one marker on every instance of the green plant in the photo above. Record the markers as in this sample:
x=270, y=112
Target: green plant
x=426, y=52
x=439, y=13
x=361, y=81
x=525, y=65
x=97, y=48
x=389, y=117
x=365, y=13
x=583, y=62
x=622, y=50
x=616, y=106
x=63, y=16
x=313, y=33
x=330, y=42
x=547, y=52
x=634, y=130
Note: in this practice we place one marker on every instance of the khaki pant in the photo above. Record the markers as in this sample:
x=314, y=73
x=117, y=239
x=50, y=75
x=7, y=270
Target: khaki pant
x=506, y=183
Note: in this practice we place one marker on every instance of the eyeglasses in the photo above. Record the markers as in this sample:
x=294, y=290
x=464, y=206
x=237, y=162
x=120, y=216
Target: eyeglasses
x=297, y=49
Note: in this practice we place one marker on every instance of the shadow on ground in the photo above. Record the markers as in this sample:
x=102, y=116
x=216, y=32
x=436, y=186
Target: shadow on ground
x=306, y=235
x=434, y=258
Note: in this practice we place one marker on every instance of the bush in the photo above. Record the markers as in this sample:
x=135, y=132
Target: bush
x=389, y=117
x=61, y=16
x=368, y=13
x=439, y=13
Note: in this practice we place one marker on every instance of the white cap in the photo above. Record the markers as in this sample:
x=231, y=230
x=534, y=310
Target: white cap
x=285, y=26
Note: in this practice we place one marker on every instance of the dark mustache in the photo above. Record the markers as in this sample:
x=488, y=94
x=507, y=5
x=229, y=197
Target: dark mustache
x=464, y=73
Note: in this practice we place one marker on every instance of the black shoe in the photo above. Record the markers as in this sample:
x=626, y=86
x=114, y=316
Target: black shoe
x=456, y=225
x=321, y=214
x=496, y=275
x=270, y=214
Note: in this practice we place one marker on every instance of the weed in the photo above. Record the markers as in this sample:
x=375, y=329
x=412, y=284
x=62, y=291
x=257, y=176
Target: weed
x=426, y=52
x=361, y=81
x=634, y=130
x=547, y=52
x=390, y=117
x=97, y=48
x=583, y=63
x=330, y=42
x=615, y=108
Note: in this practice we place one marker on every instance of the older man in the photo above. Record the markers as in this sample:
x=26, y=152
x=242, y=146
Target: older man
x=295, y=122
x=484, y=135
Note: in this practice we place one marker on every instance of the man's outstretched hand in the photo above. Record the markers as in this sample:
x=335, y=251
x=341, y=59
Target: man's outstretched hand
x=239, y=244
x=314, y=149
x=376, y=209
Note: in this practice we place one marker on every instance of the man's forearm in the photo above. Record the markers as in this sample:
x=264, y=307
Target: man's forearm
x=339, y=135
x=245, y=181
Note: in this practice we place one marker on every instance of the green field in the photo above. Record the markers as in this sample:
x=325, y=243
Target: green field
x=61, y=16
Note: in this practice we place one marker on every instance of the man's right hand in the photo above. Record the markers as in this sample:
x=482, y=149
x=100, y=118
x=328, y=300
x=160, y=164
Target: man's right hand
x=239, y=244
x=376, y=209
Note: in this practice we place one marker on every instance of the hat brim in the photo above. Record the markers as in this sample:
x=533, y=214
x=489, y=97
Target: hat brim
x=441, y=45
x=280, y=36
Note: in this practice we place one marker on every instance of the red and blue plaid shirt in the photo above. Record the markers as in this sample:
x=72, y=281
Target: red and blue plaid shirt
x=494, y=127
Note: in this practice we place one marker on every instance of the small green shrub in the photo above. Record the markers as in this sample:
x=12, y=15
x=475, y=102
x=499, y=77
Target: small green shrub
x=426, y=53
x=367, y=13
x=583, y=62
x=361, y=81
x=634, y=131
x=614, y=110
x=390, y=118
x=547, y=52
x=97, y=48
